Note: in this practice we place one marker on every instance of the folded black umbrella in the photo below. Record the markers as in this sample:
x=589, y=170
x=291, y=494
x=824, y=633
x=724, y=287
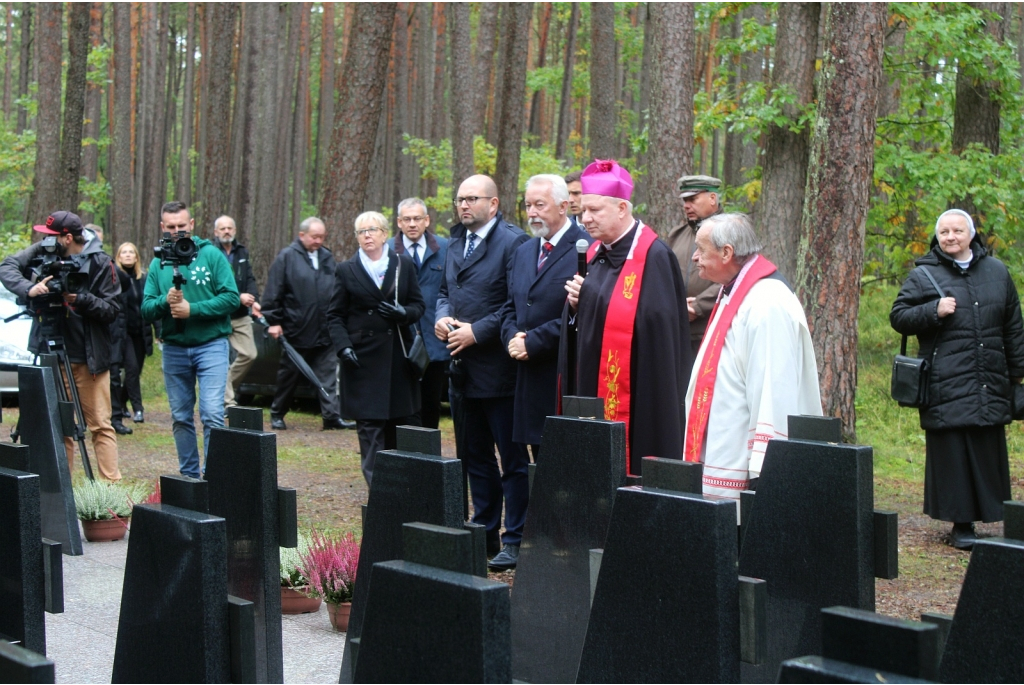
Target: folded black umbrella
x=302, y=366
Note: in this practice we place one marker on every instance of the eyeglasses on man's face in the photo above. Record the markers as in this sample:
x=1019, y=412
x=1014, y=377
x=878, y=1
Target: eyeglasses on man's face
x=471, y=199
x=411, y=219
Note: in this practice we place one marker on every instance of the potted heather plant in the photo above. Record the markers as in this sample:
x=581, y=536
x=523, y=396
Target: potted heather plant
x=295, y=595
x=106, y=508
x=329, y=564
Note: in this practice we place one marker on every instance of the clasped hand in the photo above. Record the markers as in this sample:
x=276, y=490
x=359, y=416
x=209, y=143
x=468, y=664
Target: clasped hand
x=391, y=312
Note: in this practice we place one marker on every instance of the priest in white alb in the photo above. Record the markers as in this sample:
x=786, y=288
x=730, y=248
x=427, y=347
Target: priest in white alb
x=756, y=362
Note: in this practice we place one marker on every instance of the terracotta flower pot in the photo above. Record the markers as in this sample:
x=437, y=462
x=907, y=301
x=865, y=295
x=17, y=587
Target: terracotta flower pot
x=294, y=602
x=105, y=530
x=338, y=614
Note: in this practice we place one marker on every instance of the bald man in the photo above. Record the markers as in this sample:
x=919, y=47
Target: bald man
x=483, y=375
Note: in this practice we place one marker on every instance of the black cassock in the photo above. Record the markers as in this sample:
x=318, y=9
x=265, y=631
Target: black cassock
x=660, y=360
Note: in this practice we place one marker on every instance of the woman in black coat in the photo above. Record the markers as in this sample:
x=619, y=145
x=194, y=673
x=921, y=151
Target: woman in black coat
x=138, y=338
x=974, y=339
x=381, y=391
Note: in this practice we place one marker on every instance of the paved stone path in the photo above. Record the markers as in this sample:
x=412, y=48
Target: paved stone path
x=81, y=640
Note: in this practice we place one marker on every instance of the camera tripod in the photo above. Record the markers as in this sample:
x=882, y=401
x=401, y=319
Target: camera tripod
x=67, y=391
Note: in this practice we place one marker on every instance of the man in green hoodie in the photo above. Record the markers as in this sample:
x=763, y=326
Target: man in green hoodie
x=196, y=319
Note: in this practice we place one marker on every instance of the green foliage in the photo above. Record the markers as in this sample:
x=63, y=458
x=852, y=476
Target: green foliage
x=917, y=175
x=17, y=159
x=291, y=562
x=97, y=500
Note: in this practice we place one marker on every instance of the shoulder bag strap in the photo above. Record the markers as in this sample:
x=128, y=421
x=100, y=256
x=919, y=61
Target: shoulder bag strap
x=928, y=274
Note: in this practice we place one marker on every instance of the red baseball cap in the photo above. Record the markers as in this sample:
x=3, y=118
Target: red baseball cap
x=61, y=223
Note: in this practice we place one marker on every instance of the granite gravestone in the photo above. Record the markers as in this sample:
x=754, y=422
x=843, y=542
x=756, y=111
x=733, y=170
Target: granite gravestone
x=406, y=487
x=246, y=418
x=417, y=439
x=810, y=535
x=986, y=641
x=22, y=580
x=242, y=473
x=173, y=625
x=447, y=624
x=20, y=665
x=570, y=508
x=666, y=607
x=37, y=394
x=862, y=646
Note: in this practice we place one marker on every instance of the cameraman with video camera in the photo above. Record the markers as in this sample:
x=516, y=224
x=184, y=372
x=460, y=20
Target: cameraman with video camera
x=69, y=285
x=191, y=290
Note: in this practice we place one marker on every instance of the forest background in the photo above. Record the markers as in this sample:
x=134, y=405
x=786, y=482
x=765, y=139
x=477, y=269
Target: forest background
x=843, y=128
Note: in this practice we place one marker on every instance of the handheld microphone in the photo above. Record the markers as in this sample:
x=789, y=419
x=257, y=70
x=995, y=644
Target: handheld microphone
x=581, y=255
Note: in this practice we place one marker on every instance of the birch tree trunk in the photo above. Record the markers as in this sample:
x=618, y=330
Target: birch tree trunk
x=836, y=201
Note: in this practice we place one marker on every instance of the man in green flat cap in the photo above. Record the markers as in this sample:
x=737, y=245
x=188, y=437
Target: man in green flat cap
x=700, y=200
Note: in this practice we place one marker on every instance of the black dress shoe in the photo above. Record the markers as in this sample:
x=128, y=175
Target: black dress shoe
x=506, y=559
x=138, y=418
x=338, y=424
x=125, y=413
x=962, y=536
x=277, y=423
x=120, y=428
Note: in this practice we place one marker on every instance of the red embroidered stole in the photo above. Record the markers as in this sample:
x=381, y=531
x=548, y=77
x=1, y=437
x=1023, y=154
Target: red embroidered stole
x=704, y=390
x=613, y=381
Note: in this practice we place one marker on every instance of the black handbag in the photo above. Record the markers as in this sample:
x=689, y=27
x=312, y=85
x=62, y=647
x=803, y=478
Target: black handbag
x=911, y=375
x=417, y=354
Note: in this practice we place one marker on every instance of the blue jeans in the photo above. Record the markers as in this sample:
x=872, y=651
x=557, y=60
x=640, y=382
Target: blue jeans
x=183, y=366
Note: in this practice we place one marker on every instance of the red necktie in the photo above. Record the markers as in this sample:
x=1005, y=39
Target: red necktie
x=544, y=252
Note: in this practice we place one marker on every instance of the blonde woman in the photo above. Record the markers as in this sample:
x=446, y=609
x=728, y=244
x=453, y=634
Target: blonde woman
x=138, y=338
x=376, y=299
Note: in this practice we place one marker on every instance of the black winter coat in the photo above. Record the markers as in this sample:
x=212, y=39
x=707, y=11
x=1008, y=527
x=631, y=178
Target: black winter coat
x=298, y=296
x=975, y=351
x=241, y=267
x=119, y=329
x=384, y=386
x=97, y=307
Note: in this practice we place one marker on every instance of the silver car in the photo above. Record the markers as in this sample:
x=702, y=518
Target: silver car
x=13, y=342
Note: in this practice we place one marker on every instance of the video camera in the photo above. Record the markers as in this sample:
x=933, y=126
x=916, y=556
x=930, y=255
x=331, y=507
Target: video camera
x=175, y=251
x=65, y=274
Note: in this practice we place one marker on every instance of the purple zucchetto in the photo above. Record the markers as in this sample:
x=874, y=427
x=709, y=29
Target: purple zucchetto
x=606, y=177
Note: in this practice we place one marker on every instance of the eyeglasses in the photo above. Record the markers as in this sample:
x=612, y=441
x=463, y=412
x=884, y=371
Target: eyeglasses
x=366, y=231
x=471, y=199
x=411, y=219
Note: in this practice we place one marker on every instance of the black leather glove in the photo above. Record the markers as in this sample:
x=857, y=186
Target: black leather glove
x=391, y=312
x=348, y=355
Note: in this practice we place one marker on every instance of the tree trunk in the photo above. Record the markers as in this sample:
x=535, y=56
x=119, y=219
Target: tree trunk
x=46, y=195
x=8, y=59
x=537, y=103
x=93, y=104
x=202, y=19
x=835, y=209
x=183, y=183
x=300, y=144
x=155, y=172
x=671, y=120
x=483, y=59
x=602, y=80
x=440, y=121
x=461, y=73
x=784, y=174
x=356, y=121
x=120, y=161
x=284, y=106
x=494, y=102
x=516, y=37
x=24, y=63
x=565, y=104
x=242, y=120
x=216, y=159
x=74, y=105
x=146, y=78
x=326, y=109
x=976, y=112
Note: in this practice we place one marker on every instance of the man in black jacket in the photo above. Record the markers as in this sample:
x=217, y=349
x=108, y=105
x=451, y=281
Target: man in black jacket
x=483, y=376
x=296, y=301
x=241, y=339
x=82, y=319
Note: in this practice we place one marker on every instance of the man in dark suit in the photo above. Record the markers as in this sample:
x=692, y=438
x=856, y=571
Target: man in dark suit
x=483, y=376
x=575, y=186
x=428, y=253
x=532, y=316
